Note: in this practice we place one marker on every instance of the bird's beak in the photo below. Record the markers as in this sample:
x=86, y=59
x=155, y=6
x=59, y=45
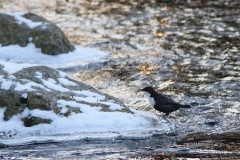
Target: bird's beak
x=142, y=90
x=139, y=90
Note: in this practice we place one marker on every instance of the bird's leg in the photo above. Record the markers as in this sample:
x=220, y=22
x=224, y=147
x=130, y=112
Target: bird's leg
x=167, y=114
x=157, y=113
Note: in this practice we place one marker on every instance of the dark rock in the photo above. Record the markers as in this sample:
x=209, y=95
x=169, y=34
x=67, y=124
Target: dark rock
x=212, y=124
x=11, y=99
x=30, y=121
x=46, y=35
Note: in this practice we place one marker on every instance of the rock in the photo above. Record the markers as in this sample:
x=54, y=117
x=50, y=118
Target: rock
x=204, y=136
x=32, y=120
x=21, y=29
x=44, y=88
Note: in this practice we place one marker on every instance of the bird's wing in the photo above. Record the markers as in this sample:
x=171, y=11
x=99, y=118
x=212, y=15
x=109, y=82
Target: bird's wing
x=165, y=104
x=164, y=100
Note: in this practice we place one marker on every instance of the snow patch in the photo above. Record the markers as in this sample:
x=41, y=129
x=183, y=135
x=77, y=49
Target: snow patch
x=66, y=82
x=33, y=56
x=113, y=106
x=6, y=84
x=20, y=19
x=86, y=99
x=24, y=95
x=90, y=94
x=51, y=84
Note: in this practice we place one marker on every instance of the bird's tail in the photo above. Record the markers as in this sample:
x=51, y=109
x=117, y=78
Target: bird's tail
x=184, y=106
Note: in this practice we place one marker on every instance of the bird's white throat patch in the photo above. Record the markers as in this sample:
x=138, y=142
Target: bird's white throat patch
x=151, y=99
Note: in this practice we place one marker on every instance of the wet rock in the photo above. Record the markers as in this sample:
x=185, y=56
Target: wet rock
x=202, y=136
x=43, y=88
x=25, y=28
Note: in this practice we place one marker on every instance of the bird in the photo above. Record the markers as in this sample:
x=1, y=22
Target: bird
x=162, y=103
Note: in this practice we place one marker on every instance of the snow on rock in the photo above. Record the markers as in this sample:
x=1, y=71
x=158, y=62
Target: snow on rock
x=28, y=29
x=32, y=40
x=20, y=19
x=39, y=100
x=39, y=103
x=66, y=82
x=81, y=56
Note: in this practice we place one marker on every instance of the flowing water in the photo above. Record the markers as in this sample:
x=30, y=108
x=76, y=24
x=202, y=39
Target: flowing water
x=187, y=50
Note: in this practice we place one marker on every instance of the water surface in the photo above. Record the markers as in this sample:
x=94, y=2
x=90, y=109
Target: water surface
x=187, y=50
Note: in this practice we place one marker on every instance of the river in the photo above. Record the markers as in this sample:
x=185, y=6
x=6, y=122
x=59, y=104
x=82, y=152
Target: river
x=188, y=50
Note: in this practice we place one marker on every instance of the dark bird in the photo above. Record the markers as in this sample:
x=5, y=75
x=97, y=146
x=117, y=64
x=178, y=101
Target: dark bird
x=162, y=103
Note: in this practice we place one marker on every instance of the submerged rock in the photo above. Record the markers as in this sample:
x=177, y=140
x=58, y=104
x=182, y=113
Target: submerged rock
x=43, y=88
x=21, y=29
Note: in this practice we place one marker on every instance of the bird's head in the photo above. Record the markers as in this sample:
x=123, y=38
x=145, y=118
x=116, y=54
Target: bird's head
x=150, y=90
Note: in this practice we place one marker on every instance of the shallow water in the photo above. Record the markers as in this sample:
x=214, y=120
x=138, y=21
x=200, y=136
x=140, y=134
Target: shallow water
x=156, y=147
x=189, y=51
